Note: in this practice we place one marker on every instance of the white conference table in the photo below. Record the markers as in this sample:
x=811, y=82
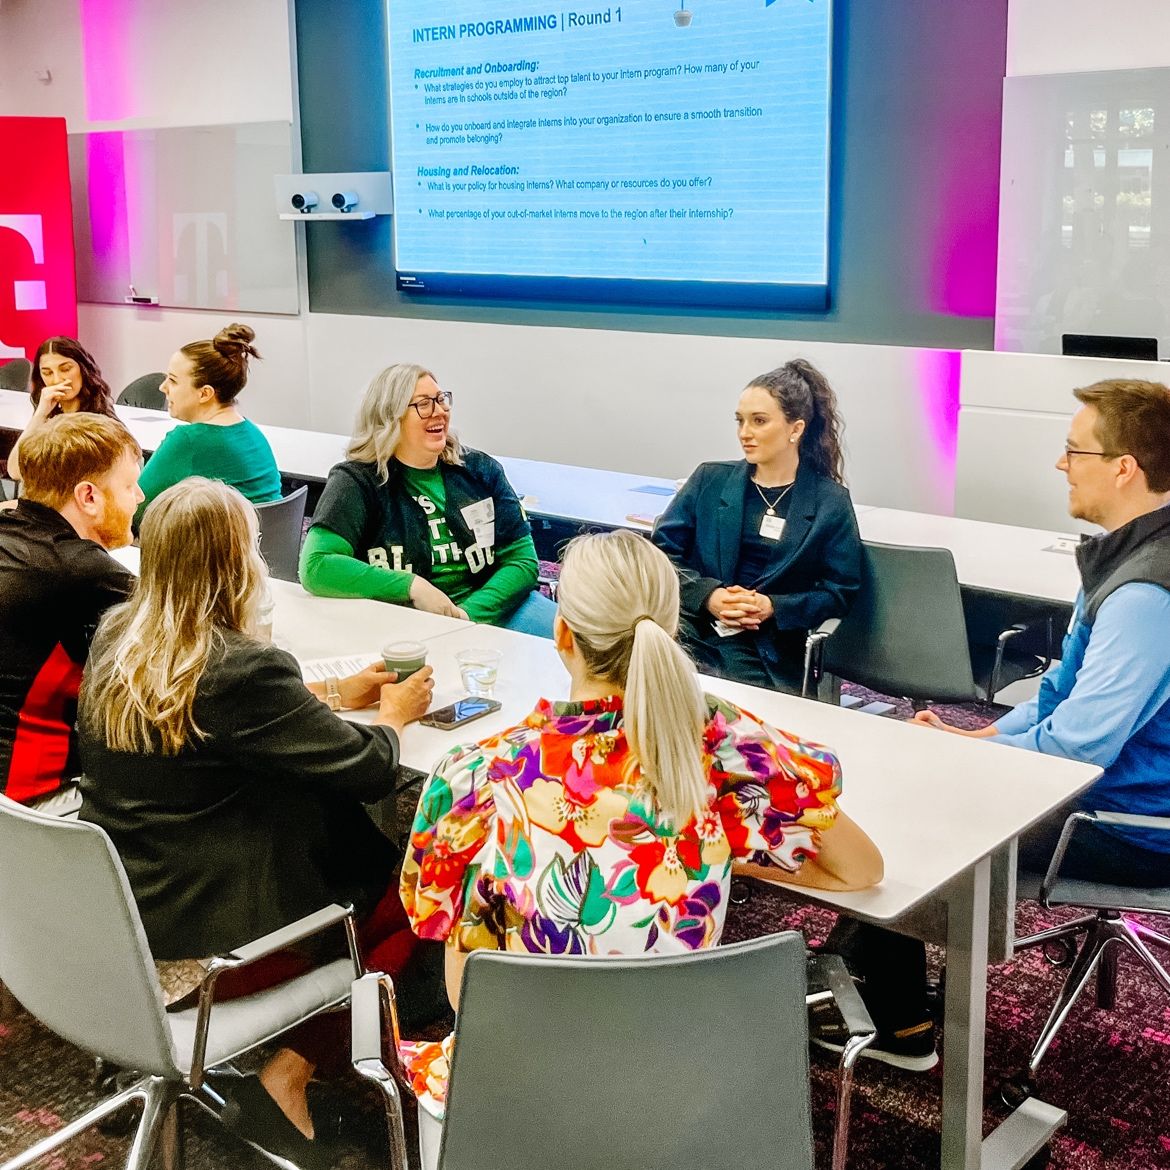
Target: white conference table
x=936, y=805
x=1001, y=558
x=995, y=557
x=299, y=454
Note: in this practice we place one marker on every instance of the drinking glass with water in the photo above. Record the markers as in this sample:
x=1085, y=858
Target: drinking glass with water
x=479, y=670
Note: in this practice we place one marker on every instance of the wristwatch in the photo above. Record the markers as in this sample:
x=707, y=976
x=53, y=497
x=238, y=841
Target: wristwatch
x=333, y=694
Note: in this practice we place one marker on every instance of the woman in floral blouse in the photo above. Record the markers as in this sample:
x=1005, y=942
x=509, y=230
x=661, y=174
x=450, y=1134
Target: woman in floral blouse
x=609, y=824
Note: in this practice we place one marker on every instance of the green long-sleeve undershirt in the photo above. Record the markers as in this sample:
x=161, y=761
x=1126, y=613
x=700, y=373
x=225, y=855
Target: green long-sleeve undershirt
x=329, y=568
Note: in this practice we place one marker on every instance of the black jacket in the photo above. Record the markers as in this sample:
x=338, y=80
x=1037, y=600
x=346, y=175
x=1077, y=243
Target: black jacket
x=257, y=824
x=385, y=518
x=54, y=588
x=816, y=571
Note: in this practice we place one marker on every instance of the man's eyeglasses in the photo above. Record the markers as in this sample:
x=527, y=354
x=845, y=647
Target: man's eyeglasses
x=1070, y=451
x=425, y=407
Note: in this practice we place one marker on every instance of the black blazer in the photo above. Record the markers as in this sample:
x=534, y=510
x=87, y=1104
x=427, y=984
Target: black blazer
x=254, y=826
x=815, y=572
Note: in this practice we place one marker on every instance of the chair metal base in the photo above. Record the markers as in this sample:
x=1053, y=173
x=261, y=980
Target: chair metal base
x=1106, y=932
x=159, y=1129
x=158, y=1097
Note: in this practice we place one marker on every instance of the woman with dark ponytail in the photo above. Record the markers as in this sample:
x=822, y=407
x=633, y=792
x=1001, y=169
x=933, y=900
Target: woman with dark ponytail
x=201, y=386
x=766, y=548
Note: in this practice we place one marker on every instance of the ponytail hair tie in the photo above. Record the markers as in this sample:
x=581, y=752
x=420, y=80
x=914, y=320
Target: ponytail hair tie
x=642, y=617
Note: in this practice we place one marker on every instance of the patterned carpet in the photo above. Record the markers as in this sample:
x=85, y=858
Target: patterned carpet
x=1110, y=1070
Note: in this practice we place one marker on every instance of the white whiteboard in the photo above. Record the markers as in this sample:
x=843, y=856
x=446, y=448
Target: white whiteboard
x=1084, y=239
x=185, y=216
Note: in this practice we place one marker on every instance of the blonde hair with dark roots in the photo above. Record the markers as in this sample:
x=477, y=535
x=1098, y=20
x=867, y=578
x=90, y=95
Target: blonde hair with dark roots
x=379, y=420
x=619, y=596
x=202, y=576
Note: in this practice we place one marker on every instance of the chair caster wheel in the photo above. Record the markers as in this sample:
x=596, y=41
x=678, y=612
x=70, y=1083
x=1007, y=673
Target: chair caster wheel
x=1060, y=953
x=741, y=892
x=1014, y=1092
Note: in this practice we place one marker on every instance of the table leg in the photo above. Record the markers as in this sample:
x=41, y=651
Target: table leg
x=1026, y=1130
x=965, y=1019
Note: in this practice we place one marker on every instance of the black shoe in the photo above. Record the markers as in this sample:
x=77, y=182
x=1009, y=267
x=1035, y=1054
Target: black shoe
x=251, y=1114
x=911, y=1048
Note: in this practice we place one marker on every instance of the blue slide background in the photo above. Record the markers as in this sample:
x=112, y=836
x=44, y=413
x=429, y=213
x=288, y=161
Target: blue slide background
x=565, y=205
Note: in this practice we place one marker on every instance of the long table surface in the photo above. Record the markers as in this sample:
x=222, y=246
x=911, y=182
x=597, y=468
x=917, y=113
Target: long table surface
x=934, y=803
x=1026, y=562
x=1001, y=558
x=299, y=454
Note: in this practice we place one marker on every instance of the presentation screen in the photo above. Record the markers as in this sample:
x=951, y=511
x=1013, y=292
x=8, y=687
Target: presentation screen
x=652, y=151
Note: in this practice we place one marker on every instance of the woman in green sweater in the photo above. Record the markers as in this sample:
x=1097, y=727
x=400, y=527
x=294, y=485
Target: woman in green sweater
x=201, y=386
x=415, y=518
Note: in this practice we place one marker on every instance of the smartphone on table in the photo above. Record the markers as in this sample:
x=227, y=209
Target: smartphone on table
x=458, y=713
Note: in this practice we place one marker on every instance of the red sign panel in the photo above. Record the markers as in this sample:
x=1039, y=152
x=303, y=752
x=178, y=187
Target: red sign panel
x=38, y=288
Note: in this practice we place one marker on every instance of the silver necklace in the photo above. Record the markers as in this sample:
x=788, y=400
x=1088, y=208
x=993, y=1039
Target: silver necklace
x=770, y=504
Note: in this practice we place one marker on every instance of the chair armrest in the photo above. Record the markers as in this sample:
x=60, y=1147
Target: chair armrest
x=830, y=970
x=272, y=942
x=1130, y=820
x=1133, y=820
x=814, y=649
x=283, y=937
x=368, y=996
x=1001, y=644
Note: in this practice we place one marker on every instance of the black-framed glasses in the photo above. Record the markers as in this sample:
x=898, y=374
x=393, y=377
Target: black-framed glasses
x=425, y=407
x=1069, y=451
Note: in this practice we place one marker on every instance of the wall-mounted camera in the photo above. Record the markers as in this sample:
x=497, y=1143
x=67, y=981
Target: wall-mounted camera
x=332, y=195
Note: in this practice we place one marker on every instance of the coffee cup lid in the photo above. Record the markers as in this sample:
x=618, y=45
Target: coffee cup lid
x=404, y=650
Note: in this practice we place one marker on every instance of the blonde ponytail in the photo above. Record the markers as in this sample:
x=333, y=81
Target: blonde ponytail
x=619, y=597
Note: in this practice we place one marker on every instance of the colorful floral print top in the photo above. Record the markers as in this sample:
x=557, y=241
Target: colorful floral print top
x=543, y=838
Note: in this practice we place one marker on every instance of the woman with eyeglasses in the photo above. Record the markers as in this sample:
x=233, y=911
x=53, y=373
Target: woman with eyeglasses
x=766, y=547
x=414, y=517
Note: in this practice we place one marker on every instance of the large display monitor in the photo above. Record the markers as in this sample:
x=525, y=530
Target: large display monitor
x=640, y=152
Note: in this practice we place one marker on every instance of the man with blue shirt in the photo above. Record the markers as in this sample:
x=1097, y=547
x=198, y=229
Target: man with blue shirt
x=1107, y=701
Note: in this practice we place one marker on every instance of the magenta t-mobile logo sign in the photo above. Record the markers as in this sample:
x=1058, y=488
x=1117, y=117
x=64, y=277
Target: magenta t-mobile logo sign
x=27, y=295
x=38, y=287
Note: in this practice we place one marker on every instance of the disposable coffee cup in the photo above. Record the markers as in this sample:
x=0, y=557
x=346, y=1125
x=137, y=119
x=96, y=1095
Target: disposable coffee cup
x=404, y=657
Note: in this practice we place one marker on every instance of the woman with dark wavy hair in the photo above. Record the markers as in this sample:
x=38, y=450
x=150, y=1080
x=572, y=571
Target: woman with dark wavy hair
x=766, y=547
x=65, y=379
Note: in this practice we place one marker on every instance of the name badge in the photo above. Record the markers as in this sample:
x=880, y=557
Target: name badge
x=480, y=518
x=771, y=527
x=726, y=631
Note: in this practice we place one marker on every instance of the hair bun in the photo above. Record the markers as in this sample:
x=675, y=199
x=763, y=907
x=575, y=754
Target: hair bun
x=236, y=338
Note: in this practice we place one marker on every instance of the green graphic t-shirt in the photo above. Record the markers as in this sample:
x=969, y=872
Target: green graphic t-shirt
x=448, y=569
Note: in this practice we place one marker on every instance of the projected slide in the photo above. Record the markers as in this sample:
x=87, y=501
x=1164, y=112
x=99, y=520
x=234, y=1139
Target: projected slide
x=655, y=151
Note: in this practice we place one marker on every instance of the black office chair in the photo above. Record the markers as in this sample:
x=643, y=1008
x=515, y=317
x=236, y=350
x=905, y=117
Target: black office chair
x=1109, y=931
x=281, y=524
x=144, y=392
x=16, y=374
x=906, y=634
